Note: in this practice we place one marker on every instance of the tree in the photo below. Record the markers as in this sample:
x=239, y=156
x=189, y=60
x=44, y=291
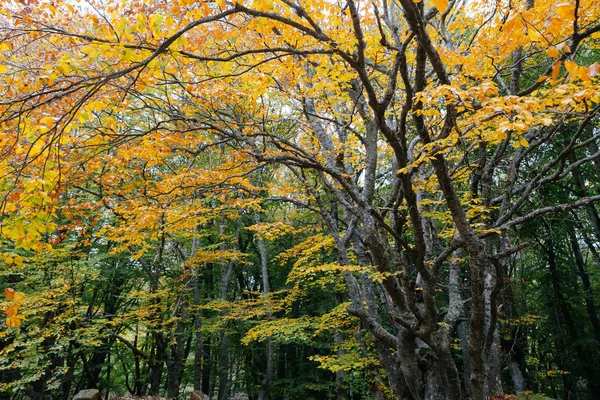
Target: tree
x=424, y=135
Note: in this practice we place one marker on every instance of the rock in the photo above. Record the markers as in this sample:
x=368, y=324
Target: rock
x=88, y=394
x=140, y=398
x=198, y=395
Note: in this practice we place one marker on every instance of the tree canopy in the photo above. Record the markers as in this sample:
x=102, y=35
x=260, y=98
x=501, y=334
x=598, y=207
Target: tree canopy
x=300, y=199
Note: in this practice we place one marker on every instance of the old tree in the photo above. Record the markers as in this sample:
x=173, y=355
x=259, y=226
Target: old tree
x=227, y=195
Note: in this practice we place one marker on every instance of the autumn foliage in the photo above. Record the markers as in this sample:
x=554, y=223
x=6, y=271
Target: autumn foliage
x=226, y=196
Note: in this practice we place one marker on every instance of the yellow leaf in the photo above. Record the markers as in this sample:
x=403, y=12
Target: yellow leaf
x=534, y=35
x=553, y=52
x=571, y=67
x=156, y=20
x=565, y=11
x=520, y=126
x=18, y=297
x=47, y=121
x=3, y=69
x=523, y=142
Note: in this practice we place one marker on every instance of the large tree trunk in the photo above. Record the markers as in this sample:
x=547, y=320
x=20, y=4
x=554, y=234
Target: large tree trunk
x=477, y=329
x=462, y=331
x=156, y=363
x=493, y=382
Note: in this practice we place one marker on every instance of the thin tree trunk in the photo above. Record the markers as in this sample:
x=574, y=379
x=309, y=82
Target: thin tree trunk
x=207, y=367
x=198, y=341
x=593, y=382
x=517, y=376
x=592, y=213
x=175, y=370
x=223, y=368
x=197, y=319
x=263, y=393
x=587, y=287
x=593, y=149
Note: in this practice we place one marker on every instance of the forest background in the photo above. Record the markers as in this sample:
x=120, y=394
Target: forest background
x=300, y=199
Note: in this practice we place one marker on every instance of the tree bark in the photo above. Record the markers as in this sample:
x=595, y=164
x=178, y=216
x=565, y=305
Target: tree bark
x=592, y=380
x=587, y=287
x=176, y=362
x=263, y=393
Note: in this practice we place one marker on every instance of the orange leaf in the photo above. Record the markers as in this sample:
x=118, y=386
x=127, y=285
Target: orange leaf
x=584, y=74
x=555, y=70
x=440, y=5
x=9, y=293
x=11, y=311
x=14, y=322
